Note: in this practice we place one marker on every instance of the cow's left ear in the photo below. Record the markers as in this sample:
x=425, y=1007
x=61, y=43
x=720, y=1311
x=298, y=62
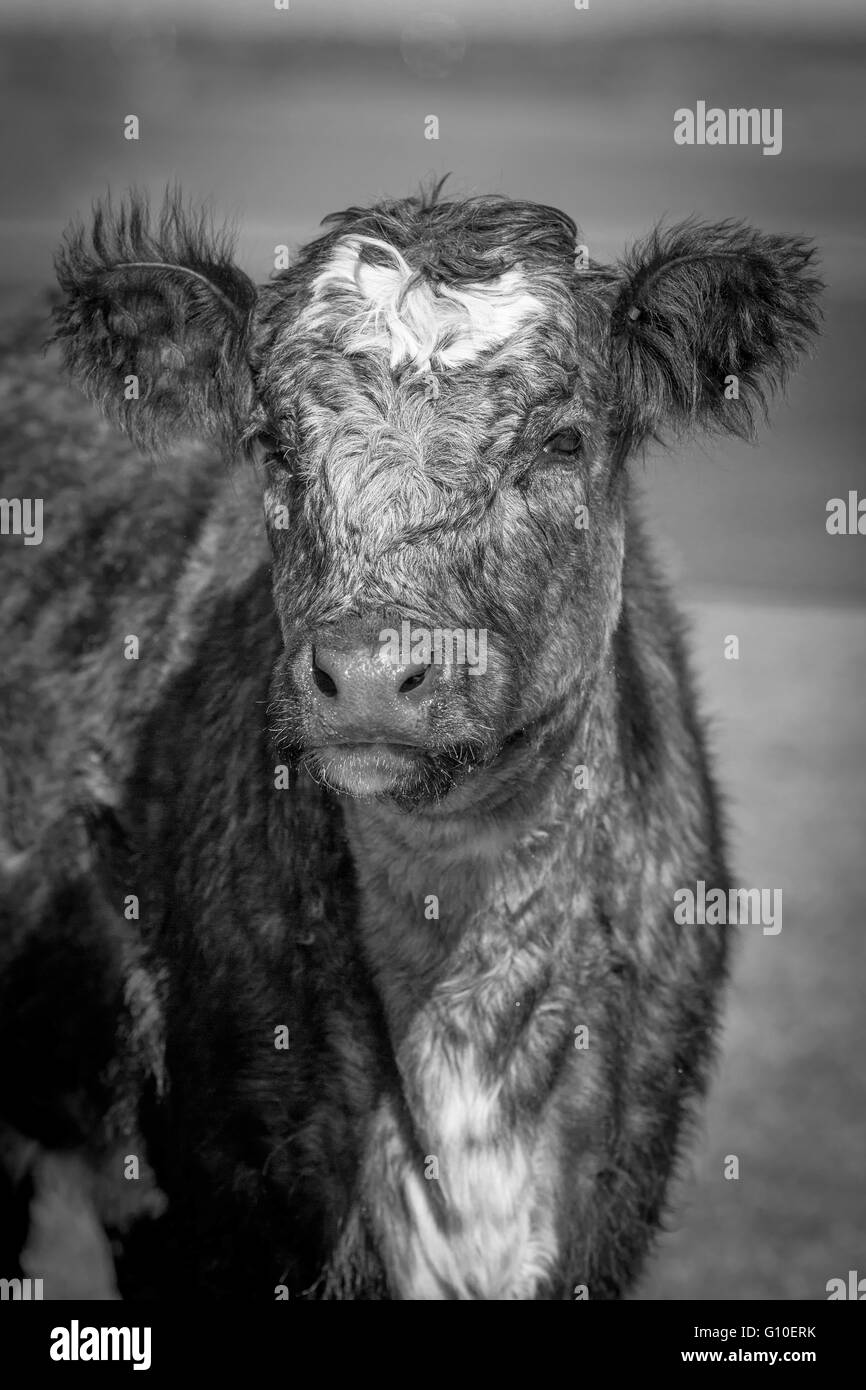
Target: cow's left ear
x=154, y=322
x=707, y=322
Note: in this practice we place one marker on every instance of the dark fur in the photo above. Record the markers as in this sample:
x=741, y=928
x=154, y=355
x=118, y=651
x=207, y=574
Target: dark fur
x=262, y=907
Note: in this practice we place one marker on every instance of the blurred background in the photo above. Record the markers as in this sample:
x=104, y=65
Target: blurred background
x=279, y=116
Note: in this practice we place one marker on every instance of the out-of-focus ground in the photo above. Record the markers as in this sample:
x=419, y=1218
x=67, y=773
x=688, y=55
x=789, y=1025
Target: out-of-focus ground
x=279, y=127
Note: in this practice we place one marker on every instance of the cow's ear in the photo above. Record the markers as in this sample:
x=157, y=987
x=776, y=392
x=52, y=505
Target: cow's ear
x=154, y=322
x=707, y=322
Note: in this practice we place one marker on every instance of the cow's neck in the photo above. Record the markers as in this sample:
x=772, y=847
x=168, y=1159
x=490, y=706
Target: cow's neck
x=448, y=887
x=468, y=923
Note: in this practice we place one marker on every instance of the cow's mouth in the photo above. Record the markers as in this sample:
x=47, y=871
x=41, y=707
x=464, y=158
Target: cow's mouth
x=365, y=769
x=403, y=773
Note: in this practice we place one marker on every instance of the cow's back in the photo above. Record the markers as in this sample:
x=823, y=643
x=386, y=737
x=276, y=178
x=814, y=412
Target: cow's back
x=117, y=561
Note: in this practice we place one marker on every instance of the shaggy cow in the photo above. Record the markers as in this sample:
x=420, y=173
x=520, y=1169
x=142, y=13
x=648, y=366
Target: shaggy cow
x=360, y=957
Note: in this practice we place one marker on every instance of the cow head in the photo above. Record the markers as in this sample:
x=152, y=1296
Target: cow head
x=442, y=404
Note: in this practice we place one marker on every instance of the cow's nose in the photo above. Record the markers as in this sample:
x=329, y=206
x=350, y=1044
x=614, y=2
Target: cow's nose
x=364, y=693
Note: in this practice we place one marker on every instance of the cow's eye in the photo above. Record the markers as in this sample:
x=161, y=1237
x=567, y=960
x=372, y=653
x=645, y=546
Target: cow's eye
x=565, y=444
x=272, y=450
x=267, y=442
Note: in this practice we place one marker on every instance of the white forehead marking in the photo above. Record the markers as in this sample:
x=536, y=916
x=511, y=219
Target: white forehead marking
x=368, y=306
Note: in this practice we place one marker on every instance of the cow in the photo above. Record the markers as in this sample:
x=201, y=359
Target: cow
x=356, y=951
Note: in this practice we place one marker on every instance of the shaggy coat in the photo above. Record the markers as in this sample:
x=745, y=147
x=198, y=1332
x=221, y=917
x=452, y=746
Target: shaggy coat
x=386, y=997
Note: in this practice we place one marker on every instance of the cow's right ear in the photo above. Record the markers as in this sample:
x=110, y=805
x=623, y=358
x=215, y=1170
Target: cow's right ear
x=154, y=322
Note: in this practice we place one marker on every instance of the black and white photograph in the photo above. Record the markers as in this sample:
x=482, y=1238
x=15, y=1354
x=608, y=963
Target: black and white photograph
x=432, y=663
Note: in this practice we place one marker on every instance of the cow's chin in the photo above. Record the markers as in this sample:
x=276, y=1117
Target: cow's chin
x=402, y=774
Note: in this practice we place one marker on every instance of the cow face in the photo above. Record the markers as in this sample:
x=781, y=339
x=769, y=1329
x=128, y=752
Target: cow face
x=442, y=404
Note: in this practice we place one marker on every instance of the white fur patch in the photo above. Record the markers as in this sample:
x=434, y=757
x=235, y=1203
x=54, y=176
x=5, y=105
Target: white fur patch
x=498, y=1240
x=426, y=326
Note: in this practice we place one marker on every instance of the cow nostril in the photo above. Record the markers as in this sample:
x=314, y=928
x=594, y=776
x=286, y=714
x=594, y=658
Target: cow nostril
x=412, y=682
x=325, y=683
x=359, y=680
